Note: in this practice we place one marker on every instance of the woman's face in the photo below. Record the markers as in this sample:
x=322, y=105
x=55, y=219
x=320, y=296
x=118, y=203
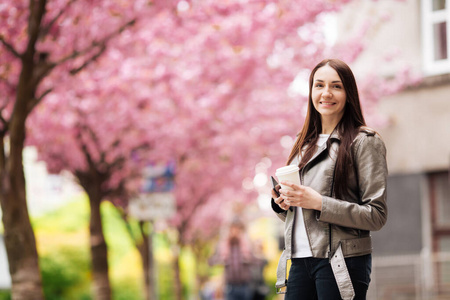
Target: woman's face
x=328, y=93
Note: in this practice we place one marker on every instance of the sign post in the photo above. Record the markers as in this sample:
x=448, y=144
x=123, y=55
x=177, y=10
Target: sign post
x=156, y=201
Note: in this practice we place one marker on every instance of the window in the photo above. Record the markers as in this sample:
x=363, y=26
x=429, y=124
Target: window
x=439, y=189
x=435, y=36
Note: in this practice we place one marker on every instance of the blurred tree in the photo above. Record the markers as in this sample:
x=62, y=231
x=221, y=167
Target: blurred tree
x=41, y=44
x=103, y=132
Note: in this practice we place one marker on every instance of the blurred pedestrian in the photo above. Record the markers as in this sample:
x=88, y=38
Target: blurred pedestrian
x=234, y=253
x=342, y=196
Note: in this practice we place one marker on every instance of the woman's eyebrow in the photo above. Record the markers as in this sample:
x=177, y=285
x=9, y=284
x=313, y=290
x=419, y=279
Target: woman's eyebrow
x=335, y=81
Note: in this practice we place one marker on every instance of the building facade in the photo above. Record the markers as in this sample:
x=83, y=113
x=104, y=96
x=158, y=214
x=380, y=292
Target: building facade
x=411, y=253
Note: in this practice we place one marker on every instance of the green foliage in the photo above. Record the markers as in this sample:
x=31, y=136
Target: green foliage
x=5, y=295
x=126, y=289
x=165, y=280
x=63, y=239
x=69, y=218
x=65, y=274
x=118, y=239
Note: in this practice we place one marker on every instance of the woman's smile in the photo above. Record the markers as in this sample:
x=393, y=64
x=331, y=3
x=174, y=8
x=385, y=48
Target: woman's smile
x=327, y=103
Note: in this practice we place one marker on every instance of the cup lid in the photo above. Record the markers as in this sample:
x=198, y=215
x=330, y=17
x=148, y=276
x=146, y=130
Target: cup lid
x=286, y=170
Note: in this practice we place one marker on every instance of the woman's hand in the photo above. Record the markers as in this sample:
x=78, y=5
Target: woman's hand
x=279, y=200
x=302, y=196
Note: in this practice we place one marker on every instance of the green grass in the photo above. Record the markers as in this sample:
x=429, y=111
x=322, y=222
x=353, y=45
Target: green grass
x=63, y=243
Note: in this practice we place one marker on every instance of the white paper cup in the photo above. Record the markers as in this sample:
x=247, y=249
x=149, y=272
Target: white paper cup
x=289, y=173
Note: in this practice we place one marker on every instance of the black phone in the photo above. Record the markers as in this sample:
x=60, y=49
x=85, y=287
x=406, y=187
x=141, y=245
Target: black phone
x=274, y=184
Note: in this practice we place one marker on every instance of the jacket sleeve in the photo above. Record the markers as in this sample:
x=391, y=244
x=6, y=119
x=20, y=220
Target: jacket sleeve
x=371, y=171
x=281, y=213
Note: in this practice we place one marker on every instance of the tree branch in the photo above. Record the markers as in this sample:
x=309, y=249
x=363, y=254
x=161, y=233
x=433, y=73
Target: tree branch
x=128, y=227
x=47, y=28
x=84, y=149
x=10, y=47
x=32, y=104
x=88, y=61
x=118, y=162
x=37, y=12
x=94, y=139
x=41, y=69
x=96, y=44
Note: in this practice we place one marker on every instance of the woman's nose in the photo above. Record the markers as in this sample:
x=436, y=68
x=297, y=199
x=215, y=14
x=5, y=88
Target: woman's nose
x=327, y=93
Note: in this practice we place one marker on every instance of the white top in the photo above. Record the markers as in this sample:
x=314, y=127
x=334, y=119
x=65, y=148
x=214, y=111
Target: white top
x=301, y=247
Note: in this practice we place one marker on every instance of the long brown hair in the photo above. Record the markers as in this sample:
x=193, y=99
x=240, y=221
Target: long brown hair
x=347, y=127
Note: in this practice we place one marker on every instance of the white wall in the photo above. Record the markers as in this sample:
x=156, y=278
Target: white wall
x=5, y=278
x=418, y=138
x=45, y=192
x=393, y=40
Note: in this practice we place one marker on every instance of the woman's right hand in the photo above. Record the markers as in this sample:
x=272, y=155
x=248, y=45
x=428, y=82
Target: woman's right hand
x=279, y=200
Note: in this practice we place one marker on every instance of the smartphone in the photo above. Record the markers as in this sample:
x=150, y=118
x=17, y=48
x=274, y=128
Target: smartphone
x=274, y=184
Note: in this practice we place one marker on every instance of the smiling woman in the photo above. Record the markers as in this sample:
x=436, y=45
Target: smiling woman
x=341, y=196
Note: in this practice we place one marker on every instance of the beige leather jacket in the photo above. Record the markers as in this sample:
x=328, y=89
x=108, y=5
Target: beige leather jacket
x=350, y=219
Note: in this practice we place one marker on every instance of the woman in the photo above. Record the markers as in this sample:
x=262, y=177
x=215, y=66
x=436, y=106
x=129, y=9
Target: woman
x=342, y=196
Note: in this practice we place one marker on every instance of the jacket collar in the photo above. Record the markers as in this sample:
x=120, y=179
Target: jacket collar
x=334, y=136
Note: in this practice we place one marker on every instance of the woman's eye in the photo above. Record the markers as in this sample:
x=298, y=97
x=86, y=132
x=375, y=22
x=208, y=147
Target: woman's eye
x=338, y=87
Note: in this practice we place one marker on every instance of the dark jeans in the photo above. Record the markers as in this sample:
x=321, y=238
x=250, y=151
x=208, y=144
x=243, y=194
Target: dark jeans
x=312, y=278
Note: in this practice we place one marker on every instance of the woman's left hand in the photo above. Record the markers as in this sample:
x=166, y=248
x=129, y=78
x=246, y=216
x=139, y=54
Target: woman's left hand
x=302, y=196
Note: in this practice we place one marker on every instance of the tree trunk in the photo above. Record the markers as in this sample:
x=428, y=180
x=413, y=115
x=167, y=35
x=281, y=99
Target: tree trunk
x=146, y=251
x=145, y=248
x=148, y=263
x=20, y=241
x=200, y=278
x=178, y=286
x=19, y=236
x=147, y=268
x=99, y=251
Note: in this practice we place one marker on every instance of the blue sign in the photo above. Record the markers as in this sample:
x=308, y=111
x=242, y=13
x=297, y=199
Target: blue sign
x=159, y=178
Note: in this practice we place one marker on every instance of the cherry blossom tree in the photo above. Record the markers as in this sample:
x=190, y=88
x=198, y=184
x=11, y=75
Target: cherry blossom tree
x=103, y=139
x=41, y=44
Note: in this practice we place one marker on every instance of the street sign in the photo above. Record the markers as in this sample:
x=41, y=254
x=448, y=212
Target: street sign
x=156, y=200
x=153, y=206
